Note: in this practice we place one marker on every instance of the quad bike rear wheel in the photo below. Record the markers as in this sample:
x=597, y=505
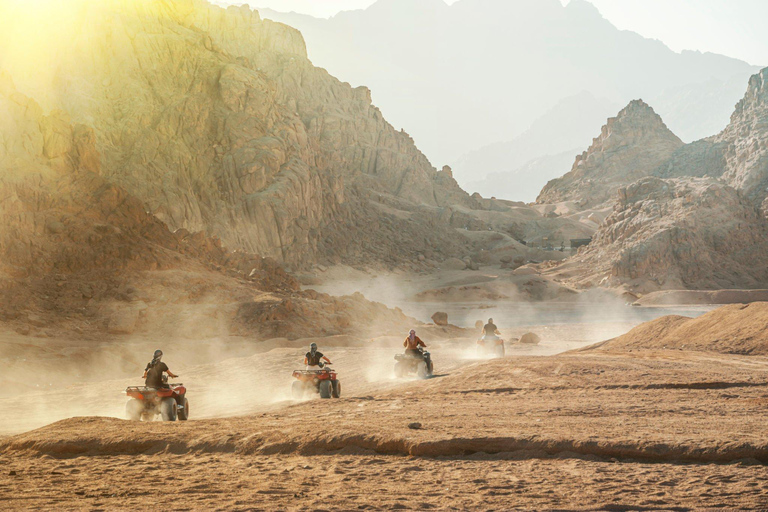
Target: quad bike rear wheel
x=325, y=389
x=297, y=390
x=184, y=411
x=336, y=388
x=168, y=409
x=134, y=409
x=399, y=370
x=499, y=351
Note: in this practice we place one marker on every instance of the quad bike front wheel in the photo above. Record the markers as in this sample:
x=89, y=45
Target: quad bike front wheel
x=184, y=411
x=134, y=409
x=325, y=389
x=499, y=351
x=430, y=368
x=336, y=388
x=168, y=409
x=297, y=390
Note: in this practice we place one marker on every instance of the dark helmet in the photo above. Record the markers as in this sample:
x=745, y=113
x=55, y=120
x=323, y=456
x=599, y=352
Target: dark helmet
x=158, y=355
x=490, y=320
x=313, y=347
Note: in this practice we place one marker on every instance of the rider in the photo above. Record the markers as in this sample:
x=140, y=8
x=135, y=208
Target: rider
x=412, y=344
x=153, y=373
x=490, y=331
x=314, y=358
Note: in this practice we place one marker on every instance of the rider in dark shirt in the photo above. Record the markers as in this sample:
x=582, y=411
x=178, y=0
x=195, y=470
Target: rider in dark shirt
x=315, y=358
x=490, y=330
x=153, y=373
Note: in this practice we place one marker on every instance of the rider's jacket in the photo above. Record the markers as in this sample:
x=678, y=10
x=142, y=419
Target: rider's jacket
x=413, y=344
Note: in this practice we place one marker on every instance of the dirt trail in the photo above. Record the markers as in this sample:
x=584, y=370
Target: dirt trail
x=589, y=405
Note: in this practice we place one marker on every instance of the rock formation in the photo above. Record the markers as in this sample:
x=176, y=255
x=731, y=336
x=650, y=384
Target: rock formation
x=218, y=122
x=681, y=233
x=739, y=154
x=630, y=146
x=82, y=256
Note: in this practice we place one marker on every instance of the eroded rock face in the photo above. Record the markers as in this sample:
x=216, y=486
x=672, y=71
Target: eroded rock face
x=630, y=146
x=746, y=140
x=217, y=121
x=692, y=233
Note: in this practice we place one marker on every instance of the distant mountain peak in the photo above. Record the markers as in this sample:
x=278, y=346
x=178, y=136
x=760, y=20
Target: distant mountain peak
x=630, y=146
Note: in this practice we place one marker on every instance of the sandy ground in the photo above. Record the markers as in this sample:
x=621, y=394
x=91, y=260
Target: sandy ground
x=367, y=482
x=225, y=377
x=653, y=429
x=609, y=429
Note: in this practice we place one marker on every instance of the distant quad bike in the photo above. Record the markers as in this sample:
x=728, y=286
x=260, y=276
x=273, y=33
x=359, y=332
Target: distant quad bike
x=411, y=363
x=147, y=403
x=490, y=346
x=324, y=381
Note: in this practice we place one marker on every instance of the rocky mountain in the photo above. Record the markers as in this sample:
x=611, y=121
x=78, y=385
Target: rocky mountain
x=515, y=60
x=739, y=154
x=218, y=122
x=684, y=233
x=80, y=256
x=630, y=146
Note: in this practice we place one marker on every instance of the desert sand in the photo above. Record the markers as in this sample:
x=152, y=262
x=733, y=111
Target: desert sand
x=607, y=427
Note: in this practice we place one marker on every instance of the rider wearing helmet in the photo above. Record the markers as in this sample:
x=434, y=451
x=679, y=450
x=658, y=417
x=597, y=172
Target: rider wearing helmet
x=412, y=344
x=153, y=373
x=315, y=358
x=490, y=331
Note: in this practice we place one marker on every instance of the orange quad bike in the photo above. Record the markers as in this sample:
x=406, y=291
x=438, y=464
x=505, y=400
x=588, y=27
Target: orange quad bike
x=324, y=382
x=490, y=346
x=147, y=403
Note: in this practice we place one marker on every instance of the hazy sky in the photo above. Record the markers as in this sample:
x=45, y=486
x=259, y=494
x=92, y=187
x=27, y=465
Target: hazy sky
x=731, y=27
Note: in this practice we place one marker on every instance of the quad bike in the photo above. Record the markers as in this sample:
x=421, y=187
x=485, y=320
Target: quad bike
x=323, y=381
x=409, y=363
x=147, y=403
x=490, y=346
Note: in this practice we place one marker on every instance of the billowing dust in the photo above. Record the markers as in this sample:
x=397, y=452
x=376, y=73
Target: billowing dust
x=49, y=379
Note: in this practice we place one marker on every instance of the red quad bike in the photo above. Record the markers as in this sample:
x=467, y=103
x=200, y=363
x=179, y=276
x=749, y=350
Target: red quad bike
x=324, y=381
x=146, y=403
x=490, y=346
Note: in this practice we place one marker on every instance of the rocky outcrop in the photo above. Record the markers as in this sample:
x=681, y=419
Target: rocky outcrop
x=80, y=255
x=687, y=233
x=739, y=154
x=630, y=146
x=746, y=140
x=216, y=120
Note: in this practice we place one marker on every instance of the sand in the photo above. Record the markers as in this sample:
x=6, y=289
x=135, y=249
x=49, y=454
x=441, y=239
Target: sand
x=732, y=329
x=575, y=431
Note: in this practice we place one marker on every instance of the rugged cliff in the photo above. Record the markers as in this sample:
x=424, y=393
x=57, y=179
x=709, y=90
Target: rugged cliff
x=218, y=122
x=746, y=141
x=630, y=146
x=739, y=154
x=694, y=233
x=81, y=256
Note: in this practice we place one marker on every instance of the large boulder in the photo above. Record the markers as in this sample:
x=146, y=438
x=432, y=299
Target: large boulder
x=440, y=318
x=530, y=338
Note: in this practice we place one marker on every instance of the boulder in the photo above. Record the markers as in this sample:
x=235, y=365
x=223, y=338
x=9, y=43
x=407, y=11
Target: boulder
x=440, y=318
x=530, y=338
x=453, y=264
